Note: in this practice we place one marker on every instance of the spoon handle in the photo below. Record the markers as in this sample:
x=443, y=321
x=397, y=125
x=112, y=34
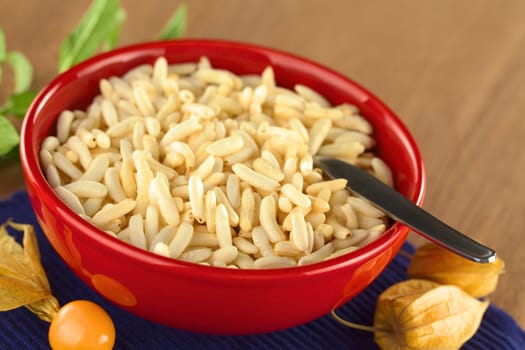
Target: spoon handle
x=405, y=211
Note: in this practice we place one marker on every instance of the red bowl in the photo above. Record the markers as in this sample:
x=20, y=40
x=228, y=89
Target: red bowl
x=201, y=298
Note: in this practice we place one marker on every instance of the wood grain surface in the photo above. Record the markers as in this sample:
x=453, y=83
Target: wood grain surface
x=454, y=71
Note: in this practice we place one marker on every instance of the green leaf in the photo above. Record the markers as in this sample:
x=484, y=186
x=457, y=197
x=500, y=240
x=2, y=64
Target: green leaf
x=18, y=104
x=12, y=156
x=92, y=31
x=8, y=136
x=112, y=40
x=3, y=51
x=176, y=25
x=23, y=70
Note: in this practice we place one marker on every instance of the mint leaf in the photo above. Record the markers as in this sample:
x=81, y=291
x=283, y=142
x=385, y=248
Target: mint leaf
x=94, y=28
x=176, y=25
x=3, y=51
x=23, y=70
x=118, y=22
x=18, y=104
x=9, y=138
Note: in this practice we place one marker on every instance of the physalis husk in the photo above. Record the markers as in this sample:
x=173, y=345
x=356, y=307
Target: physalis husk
x=23, y=281
x=434, y=263
x=78, y=325
x=418, y=315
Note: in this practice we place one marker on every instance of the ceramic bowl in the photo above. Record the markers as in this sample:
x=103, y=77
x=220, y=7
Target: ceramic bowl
x=202, y=298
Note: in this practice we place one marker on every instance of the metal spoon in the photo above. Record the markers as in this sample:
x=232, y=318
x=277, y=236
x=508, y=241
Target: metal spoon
x=401, y=209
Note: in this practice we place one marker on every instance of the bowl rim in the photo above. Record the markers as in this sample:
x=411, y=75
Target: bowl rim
x=34, y=174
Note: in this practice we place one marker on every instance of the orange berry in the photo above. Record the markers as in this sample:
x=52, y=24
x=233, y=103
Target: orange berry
x=81, y=325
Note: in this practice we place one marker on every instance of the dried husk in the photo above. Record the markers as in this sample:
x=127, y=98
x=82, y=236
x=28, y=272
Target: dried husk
x=419, y=314
x=434, y=263
x=23, y=281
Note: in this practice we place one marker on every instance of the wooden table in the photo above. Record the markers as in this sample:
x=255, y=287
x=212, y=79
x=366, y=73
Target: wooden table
x=454, y=71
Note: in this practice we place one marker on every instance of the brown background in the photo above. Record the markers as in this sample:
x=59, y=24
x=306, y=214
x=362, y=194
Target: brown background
x=454, y=71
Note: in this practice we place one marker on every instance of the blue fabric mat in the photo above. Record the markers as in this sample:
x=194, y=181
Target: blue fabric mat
x=20, y=329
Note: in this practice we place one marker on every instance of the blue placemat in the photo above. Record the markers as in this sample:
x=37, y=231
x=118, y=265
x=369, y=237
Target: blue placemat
x=20, y=329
